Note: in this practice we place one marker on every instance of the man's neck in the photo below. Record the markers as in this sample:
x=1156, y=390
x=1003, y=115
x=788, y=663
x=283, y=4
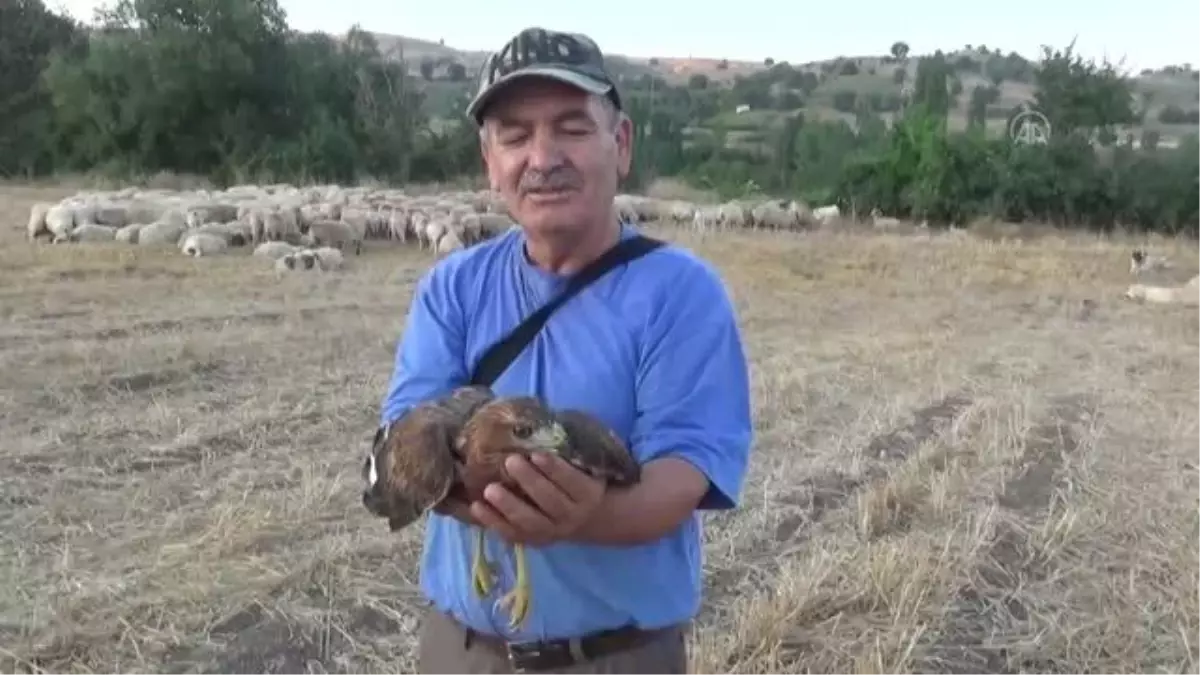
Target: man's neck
x=563, y=255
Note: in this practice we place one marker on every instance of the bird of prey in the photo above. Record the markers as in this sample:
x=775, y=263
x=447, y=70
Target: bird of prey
x=523, y=425
x=418, y=463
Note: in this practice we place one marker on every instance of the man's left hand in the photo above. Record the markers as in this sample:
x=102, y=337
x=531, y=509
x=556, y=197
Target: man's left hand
x=563, y=499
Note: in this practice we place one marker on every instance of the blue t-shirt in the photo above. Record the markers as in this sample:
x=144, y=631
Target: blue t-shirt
x=654, y=351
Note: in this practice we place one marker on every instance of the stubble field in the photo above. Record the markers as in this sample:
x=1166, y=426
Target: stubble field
x=972, y=455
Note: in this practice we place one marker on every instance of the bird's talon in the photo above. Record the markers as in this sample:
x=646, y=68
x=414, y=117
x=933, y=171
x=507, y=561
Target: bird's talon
x=517, y=602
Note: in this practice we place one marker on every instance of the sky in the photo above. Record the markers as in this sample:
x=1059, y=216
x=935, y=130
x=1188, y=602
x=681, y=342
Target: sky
x=1146, y=34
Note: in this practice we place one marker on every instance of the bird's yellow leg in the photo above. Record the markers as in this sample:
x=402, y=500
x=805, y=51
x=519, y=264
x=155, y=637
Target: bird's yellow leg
x=481, y=573
x=519, y=596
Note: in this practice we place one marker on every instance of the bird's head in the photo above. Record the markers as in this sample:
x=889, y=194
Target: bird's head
x=518, y=424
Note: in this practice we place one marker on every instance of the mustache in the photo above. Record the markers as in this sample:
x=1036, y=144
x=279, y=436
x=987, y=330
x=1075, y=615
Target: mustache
x=560, y=178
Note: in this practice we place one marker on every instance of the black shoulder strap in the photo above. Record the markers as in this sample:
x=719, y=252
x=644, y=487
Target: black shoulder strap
x=500, y=356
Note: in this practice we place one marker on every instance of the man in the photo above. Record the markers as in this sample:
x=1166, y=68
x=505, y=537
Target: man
x=652, y=348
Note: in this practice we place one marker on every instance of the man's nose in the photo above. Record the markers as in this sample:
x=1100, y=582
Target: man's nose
x=545, y=153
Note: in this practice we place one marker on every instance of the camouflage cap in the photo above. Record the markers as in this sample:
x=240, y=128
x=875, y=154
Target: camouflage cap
x=570, y=58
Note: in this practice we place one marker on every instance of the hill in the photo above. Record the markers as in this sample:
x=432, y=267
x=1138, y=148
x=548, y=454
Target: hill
x=830, y=89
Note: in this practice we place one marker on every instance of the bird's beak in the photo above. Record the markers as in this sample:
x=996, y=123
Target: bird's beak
x=551, y=438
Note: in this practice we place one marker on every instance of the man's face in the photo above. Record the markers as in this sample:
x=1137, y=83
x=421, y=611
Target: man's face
x=555, y=154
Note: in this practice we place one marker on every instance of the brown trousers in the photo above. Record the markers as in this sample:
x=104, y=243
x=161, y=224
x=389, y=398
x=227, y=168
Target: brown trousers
x=444, y=648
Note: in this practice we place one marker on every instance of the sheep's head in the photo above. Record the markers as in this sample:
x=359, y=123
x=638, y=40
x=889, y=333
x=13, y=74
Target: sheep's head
x=1136, y=292
x=289, y=261
x=237, y=239
x=308, y=259
x=1138, y=256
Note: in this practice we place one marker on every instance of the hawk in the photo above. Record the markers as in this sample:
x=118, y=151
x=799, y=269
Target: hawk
x=458, y=445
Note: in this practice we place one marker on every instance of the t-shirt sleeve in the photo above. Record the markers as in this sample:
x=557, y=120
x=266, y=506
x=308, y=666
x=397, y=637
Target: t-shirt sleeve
x=429, y=359
x=693, y=389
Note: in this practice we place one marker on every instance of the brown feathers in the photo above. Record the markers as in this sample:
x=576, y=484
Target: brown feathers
x=461, y=442
x=411, y=466
x=523, y=425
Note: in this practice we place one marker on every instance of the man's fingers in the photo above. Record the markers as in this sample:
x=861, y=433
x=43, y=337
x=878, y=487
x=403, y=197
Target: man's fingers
x=570, y=480
x=523, y=516
x=542, y=490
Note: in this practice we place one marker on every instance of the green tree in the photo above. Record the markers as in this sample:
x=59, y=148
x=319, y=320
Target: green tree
x=899, y=50
x=931, y=89
x=1081, y=96
x=29, y=35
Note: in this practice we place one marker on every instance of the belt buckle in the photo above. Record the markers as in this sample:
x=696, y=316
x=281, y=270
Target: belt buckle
x=519, y=656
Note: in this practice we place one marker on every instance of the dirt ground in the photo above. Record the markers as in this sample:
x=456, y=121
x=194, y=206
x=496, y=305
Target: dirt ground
x=972, y=455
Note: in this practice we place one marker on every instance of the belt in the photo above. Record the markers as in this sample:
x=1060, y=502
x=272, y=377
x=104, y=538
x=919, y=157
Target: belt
x=563, y=653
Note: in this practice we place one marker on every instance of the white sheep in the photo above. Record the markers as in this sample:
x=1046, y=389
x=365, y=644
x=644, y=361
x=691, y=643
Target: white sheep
x=881, y=221
x=1188, y=294
x=129, y=233
x=329, y=258
x=60, y=220
x=199, y=244
x=285, y=263
x=161, y=233
x=827, y=214
x=434, y=230
x=332, y=233
x=92, y=233
x=274, y=249
x=37, y=221
x=449, y=242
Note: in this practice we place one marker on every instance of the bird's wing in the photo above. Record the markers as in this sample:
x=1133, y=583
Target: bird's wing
x=595, y=449
x=423, y=467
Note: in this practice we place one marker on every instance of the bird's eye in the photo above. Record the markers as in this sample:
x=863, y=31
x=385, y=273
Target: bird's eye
x=522, y=431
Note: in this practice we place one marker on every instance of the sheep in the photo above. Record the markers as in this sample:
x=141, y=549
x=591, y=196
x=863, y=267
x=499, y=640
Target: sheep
x=198, y=244
x=274, y=249
x=92, y=233
x=275, y=227
x=306, y=259
x=285, y=263
x=161, y=233
x=434, y=230
x=449, y=243
x=60, y=220
x=881, y=221
x=1140, y=262
x=129, y=233
x=1188, y=294
x=332, y=233
x=827, y=214
x=329, y=258
x=37, y=221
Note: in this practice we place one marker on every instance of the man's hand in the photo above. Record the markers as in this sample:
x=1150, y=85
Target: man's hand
x=563, y=500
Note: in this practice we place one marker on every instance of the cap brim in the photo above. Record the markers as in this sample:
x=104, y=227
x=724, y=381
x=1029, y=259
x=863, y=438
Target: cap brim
x=585, y=82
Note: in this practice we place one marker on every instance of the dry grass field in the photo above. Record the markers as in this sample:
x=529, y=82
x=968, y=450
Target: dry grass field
x=972, y=455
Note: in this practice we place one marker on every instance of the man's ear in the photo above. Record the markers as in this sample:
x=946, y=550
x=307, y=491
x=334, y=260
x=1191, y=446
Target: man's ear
x=624, y=146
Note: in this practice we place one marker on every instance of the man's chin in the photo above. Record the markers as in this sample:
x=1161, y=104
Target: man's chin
x=550, y=218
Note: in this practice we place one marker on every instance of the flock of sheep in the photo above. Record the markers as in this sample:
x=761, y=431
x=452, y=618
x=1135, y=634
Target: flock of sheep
x=313, y=228
x=303, y=228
